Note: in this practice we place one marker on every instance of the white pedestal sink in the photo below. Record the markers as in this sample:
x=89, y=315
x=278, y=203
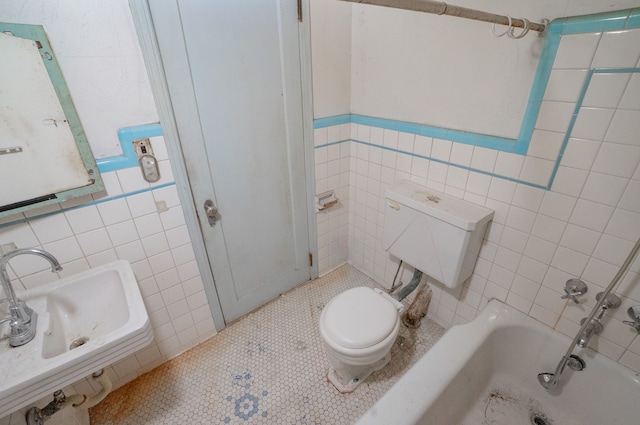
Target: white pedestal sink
x=86, y=322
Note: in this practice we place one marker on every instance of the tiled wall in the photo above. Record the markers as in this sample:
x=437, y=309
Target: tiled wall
x=584, y=148
x=137, y=221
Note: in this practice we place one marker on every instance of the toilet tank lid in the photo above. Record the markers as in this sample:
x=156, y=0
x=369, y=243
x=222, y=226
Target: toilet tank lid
x=458, y=212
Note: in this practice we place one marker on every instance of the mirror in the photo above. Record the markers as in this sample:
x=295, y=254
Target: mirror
x=44, y=154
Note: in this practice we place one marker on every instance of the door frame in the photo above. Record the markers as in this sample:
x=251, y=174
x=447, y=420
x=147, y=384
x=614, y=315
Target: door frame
x=156, y=73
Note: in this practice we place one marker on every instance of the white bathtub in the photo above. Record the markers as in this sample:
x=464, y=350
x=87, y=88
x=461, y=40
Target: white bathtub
x=485, y=372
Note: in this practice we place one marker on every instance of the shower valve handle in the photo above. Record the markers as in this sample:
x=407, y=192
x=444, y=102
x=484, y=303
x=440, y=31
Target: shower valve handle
x=634, y=313
x=574, y=288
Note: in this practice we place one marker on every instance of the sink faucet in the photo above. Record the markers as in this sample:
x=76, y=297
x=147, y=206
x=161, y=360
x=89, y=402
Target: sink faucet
x=23, y=320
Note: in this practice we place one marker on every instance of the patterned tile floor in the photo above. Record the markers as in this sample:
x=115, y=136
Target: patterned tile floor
x=267, y=368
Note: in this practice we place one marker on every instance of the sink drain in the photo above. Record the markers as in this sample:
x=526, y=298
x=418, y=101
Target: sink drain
x=78, y=342
x=538, y=419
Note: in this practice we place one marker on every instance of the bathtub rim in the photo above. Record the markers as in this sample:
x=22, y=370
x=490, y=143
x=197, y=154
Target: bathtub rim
x=409, y=399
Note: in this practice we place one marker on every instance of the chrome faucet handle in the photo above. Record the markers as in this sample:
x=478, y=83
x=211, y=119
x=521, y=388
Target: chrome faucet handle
x=634, y=314
x=610, y=301
x=573, y=289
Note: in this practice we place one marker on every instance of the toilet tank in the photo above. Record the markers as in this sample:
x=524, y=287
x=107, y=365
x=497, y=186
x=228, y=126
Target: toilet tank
x=434, y=232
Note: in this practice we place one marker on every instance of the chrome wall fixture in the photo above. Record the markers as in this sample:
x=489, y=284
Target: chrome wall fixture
x=591, y=324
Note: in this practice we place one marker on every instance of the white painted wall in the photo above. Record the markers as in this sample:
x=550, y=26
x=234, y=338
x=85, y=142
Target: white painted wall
x=437, y=70
x=331, y=57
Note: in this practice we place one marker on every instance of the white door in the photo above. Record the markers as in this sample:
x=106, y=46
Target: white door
x=233, y=70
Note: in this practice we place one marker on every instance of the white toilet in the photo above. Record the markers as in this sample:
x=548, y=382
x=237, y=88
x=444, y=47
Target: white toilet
x=433, y=232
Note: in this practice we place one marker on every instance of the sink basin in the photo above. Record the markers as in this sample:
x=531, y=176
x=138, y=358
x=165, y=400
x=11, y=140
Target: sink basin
x=86, y=322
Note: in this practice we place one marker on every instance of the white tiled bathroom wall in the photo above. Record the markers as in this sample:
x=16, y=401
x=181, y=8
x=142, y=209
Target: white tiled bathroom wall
x=584, y=226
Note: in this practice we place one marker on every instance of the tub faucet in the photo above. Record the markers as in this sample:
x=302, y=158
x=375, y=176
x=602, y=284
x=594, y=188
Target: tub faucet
x=595, y=327
x=23, y=319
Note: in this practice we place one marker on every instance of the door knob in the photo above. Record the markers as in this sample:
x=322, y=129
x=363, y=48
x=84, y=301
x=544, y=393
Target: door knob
x=211, y=211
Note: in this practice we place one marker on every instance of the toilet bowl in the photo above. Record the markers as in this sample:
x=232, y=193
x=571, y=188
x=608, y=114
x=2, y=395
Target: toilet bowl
x=358, y=327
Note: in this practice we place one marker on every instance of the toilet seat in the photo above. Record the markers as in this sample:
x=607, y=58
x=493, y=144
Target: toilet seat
x=359, y=318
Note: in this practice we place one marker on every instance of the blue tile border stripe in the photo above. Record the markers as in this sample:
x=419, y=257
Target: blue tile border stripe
x=126, y=136
x=475, y=170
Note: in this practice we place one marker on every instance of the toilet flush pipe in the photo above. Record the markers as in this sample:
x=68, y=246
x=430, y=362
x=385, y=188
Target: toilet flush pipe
x=409, y=287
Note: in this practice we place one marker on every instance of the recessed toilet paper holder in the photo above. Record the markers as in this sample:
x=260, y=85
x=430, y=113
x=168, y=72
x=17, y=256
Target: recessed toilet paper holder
x=326, y=200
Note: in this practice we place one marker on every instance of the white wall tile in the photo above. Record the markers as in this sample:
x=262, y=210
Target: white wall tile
x=114, y=211
x=111, y=183
x=532, y=269
x=545, y=144
x=122, y=233
x=557, y=205
x=478, y=183
x=624, y=224
x=618, y=49
x=94, y=241
x=520, y=219
x=580, y=153
x=172, y=218
x=580, y=239
x=612, y=250
x=141, y=204
x=555, y=116
x=84, y=219
x=524, y=287
x=537, y=171
x=605, y=90
x=631, y=98
x=549, y=228
x=149, y=225
x=569, y=260
x=155, y=244
x=508, y=164
x=457, y=177
x=483, y=159
x=441, y=149
x=540, y=250
x=406, y=142
x=576, y=50
x=131, y=179
x=51, y=228
x=102, y=258
x=501, y=190
x=591, y=215
x=422, y=145
x=569, y=181
x=461, y=154
x=624, y=127
x=161, y=262
x=65, y=250
x=631, y=197
x=603, y=188
x=565, y=85
x=617, y=159
x=592, y=123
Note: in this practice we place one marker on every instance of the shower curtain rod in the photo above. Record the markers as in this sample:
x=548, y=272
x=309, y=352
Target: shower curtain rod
x=441, y=8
